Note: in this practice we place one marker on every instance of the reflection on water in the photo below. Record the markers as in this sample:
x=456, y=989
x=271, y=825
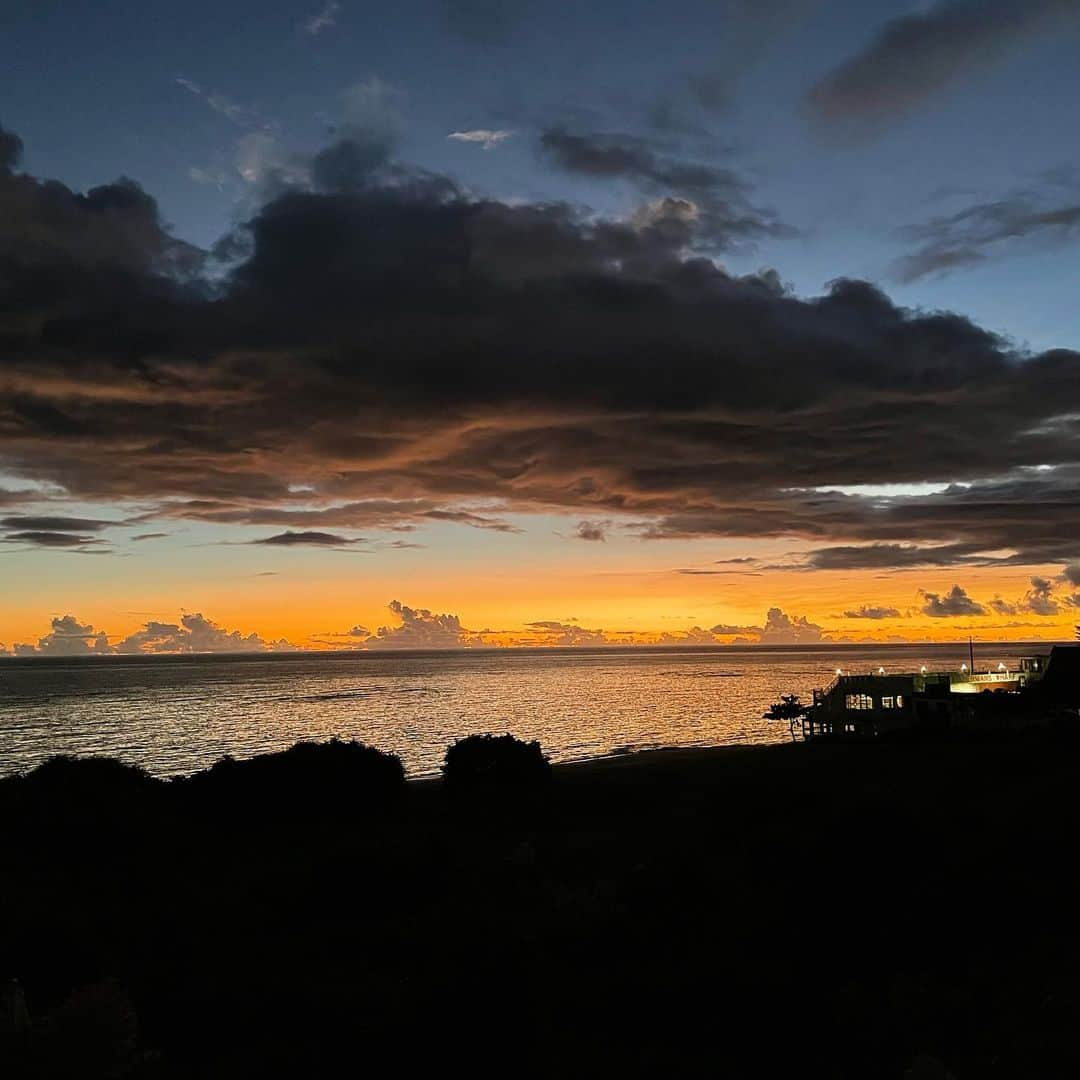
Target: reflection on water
x=178, y=714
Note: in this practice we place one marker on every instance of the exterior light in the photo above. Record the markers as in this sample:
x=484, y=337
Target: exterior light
x=839, y=672
x=923, y=669
x=963, y=667
x=881, y=671
x=1002, y=667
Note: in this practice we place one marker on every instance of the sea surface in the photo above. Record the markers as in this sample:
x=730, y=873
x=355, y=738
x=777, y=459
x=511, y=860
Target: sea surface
x=181, y=713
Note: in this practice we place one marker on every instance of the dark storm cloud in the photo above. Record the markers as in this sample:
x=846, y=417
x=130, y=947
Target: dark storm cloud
x=916, y=56
x=955, y=602
x=65, y=250
x=697, y=201
x=396, y=352
x=1023, y=221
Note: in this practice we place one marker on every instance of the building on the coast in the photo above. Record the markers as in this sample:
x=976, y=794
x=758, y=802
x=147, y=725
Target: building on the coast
x=870, y=703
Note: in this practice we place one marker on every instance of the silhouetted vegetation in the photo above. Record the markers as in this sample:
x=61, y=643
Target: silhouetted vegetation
x=308, y=778
x=500, y=766
x=849, y=910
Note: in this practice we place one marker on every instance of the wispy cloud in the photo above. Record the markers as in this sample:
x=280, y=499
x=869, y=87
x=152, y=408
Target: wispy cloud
x=241, y=115
x=65, y=541
x=916, y=56
x=325, y=19
x=1022, y=220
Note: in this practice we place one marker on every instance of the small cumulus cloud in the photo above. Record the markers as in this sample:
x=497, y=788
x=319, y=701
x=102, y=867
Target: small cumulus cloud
x=955, y=602
x=485, y=138
x=68, y=637
x=869, y=611
x=591, y=530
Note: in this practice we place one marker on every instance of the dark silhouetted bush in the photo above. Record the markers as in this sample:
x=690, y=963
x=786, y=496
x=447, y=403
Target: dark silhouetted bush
x=307, y=777
x=495, y=764
x=79, y=792
x=85, y=778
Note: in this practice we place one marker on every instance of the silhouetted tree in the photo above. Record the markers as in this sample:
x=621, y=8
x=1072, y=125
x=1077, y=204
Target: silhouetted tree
x=789, y=708
x=495, y=764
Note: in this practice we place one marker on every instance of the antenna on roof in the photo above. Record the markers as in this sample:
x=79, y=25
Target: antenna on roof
x=971, y=652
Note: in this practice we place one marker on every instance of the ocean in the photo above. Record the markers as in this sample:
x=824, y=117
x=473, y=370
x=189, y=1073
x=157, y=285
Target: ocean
x=178, y=714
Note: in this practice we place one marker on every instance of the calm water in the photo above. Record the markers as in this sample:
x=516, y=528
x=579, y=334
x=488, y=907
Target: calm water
x=178, y=714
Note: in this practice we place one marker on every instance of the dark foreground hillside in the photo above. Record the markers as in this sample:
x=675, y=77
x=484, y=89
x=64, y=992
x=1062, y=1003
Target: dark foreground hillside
x=875, y=910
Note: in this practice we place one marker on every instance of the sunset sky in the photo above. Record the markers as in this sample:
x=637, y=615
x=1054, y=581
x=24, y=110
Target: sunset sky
x=460, y=322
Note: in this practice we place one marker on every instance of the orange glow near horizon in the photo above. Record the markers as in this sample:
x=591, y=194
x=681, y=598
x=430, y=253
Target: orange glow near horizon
x=620, y=593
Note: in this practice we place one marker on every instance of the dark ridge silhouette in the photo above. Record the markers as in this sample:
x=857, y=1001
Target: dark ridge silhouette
x=495, y=767
x=852, y=909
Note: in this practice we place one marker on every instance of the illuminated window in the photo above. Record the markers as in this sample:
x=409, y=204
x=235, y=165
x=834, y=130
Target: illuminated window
x=899, y=701
x=888, y=703
x=858, y=701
